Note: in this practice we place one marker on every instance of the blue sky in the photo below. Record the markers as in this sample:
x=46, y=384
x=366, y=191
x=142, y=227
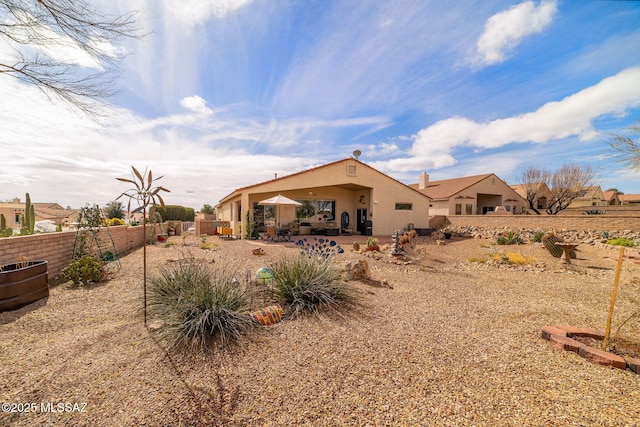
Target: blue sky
x=227, y=93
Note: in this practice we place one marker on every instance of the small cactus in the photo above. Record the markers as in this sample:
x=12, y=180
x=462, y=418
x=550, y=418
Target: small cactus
x=549, y=241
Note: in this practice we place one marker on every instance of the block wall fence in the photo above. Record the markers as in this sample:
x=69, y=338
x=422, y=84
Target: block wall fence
x=547, y=222
x=57, y=248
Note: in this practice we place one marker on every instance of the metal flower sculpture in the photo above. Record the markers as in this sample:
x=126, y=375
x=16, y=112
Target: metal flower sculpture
x=145, y=195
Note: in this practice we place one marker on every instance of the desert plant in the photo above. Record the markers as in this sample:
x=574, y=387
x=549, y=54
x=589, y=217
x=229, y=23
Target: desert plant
x=29, y=217
x=113, y=209
x=145, y=195
x=549, y=241
x=509, y=238
x=513, y=258
x=594, y=212
x=537, y=236
x=621, y=241
x=83, y=271
x=307, y=285
x=4, y=231
x=199, y=305
x=110, y=222
x=372, y=241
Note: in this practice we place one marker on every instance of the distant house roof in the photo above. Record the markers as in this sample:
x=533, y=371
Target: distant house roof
x=610, y=196
x=446, y=188
x=629, y=198
x=589, y=192
x=46, y=205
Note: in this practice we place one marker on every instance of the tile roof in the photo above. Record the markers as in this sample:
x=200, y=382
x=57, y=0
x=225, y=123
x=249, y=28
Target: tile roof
x=446, y=188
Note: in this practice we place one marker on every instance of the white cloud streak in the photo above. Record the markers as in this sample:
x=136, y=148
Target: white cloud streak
x=195, y=12
x=504, y=31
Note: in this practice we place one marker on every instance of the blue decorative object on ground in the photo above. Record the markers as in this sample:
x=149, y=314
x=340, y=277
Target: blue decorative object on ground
x=321, y=248
x=264, y=276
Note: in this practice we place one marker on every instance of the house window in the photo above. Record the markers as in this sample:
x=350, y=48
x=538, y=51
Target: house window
x=468, y=209
x=351, y=170
x=404, y=206
x=458, y=209
x=507, y=208
x=325, y=209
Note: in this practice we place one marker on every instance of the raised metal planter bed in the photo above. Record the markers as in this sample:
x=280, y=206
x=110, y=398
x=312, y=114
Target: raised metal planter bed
x=21, y=285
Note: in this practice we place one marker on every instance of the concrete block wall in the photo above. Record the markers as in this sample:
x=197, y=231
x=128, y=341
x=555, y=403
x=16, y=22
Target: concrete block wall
x=569, y=222
x=57, y=248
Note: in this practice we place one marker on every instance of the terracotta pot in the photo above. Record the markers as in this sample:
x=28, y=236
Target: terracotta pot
x=372, y=248
x=20, y=285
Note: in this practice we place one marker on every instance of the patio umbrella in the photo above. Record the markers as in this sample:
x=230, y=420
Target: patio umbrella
x=278, y=201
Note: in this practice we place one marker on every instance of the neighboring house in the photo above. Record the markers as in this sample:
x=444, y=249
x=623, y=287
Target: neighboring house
x=590, y=196
x=629, y=199
x=471, y=195
x=373, y=202
x=611, y=198
x=13, y=212
x=56, y=213
x=542, y=192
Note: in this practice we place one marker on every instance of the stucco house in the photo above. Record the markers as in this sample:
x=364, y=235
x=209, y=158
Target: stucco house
x=329, y=196
x=470, y=195
x=589, y=196
x=542, y=194
x=14, y=210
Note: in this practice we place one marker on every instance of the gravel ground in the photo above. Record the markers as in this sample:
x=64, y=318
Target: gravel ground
x=450, y=343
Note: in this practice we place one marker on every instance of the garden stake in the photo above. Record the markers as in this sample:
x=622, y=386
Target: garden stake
x=616, y=281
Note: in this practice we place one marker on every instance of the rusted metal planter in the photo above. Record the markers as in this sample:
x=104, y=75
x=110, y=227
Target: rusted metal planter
x=20, y=285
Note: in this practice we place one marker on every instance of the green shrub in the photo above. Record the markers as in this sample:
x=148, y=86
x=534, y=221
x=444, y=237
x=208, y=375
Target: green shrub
x=110, y=222
x=509, y=238
x=83, y=271
x=307, y=285
x=199, y=305
x=537, y=236
x=621, y=241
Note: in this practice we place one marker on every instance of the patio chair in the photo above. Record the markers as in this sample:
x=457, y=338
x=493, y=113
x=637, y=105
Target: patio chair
x=271, y=234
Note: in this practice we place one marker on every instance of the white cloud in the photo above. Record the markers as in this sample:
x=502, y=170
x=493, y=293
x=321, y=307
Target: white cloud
x=195, y=104
x=505, y=30
x=572, y=116
x=194, y=12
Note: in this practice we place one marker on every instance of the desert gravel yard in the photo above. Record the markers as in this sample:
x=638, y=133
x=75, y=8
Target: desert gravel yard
x=450, y=343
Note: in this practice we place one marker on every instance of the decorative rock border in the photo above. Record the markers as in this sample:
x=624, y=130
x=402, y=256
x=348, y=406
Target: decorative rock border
x=561, y=338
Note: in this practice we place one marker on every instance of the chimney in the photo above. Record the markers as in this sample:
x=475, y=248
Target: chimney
x=424, y=181
x=16, y=200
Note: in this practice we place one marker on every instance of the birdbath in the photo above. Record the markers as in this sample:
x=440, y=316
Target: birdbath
x=566, y=249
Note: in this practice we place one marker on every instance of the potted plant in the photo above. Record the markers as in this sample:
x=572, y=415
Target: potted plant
x=22, y=283
x=448, y=232
x=372, y=244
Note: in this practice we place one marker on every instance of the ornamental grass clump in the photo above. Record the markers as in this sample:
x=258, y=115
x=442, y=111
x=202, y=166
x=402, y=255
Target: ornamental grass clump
x=509, y=238
x=199, y=305
x=309, y=284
